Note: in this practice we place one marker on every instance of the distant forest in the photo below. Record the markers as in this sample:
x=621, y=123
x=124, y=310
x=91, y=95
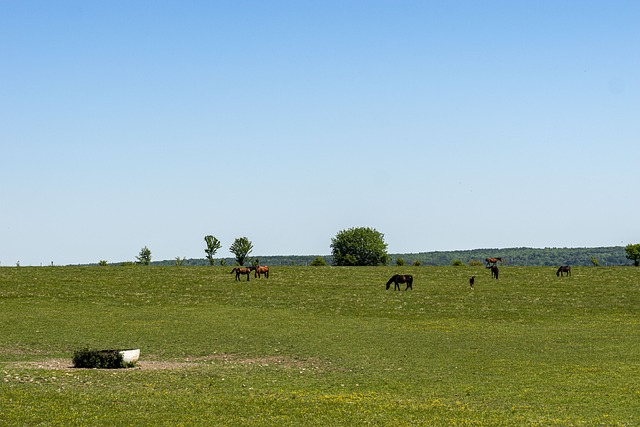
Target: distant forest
x=603, y=256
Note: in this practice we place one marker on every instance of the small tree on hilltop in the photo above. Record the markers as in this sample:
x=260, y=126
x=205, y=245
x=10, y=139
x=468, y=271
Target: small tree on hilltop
x=241, y=248
x=213, y=245
x=633, y=253
x=359, y=246
x=144, y=257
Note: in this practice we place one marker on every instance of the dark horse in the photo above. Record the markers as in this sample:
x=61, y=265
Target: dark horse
x=563, y=269
x=494, y=271
x=493, y=261
x=396, y=279
x=242, y=270
x=261, y=269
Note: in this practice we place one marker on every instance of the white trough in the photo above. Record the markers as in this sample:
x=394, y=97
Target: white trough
x=130, y=356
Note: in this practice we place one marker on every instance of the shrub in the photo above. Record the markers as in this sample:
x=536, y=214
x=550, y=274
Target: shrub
x=417, y=263
x=100, y=359
x=318, y=262
x=475, y=263
x=399, y=262
x=457, y=263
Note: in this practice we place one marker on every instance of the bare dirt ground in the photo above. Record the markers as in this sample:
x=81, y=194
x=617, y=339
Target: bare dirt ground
x=224, y=359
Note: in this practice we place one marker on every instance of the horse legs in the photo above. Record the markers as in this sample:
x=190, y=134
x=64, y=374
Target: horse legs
x=396, y=286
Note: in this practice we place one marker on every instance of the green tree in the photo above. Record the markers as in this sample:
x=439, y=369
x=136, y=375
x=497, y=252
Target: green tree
x=359, y=246
x=633, y=253
x=241, y=248
x=144, y=257
x=399, y=262
x=213, y=245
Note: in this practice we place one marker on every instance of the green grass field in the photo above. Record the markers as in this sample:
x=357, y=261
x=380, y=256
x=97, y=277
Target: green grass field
x=322, y=346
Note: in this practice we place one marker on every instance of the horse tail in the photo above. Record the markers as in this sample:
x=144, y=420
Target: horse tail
x=233, y=270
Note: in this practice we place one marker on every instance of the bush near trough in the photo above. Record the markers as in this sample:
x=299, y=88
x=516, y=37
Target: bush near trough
x=99, y=359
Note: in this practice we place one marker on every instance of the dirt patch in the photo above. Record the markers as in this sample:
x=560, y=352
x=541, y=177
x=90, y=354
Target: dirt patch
x=66, y=364
x=225, y=359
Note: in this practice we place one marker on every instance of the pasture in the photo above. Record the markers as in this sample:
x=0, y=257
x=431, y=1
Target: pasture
x=322, y=346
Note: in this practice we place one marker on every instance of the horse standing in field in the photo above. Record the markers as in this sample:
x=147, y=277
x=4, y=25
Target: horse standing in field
x=261, y=269
x=241, y=270
x=493, y=261
x=563, y=269
x=396, y=279
x=494, y=272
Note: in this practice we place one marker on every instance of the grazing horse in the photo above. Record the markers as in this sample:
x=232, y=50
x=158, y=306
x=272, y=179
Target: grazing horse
x=494, y=272
x=242, y=270
x=493, y=261
x=261, y=269
x=472, y=281
x=563, y=269
x=396, y=279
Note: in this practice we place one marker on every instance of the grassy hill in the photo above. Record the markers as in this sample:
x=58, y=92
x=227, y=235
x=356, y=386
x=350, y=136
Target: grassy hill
x=323, y=346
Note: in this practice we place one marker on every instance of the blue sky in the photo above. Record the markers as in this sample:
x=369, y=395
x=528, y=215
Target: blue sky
x=442, y=124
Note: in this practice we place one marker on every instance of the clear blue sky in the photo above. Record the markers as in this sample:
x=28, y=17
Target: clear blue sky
x=442, y=124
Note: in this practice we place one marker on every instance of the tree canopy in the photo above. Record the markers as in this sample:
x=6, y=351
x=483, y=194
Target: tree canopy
x=144, y=257
x=241, y=248
x=633, y=253
x=362, y=246
x=213, y=245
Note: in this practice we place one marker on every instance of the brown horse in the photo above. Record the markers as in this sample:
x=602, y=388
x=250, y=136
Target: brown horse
x=242, y=270
x=400, y=278
x=493, y=261
x=494, y=271
x=563, y=269
x=261, y=269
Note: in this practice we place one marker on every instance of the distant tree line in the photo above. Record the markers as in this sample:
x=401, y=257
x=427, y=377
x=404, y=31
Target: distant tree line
x=600, y=256
x=364, y=246
x=603, y=256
